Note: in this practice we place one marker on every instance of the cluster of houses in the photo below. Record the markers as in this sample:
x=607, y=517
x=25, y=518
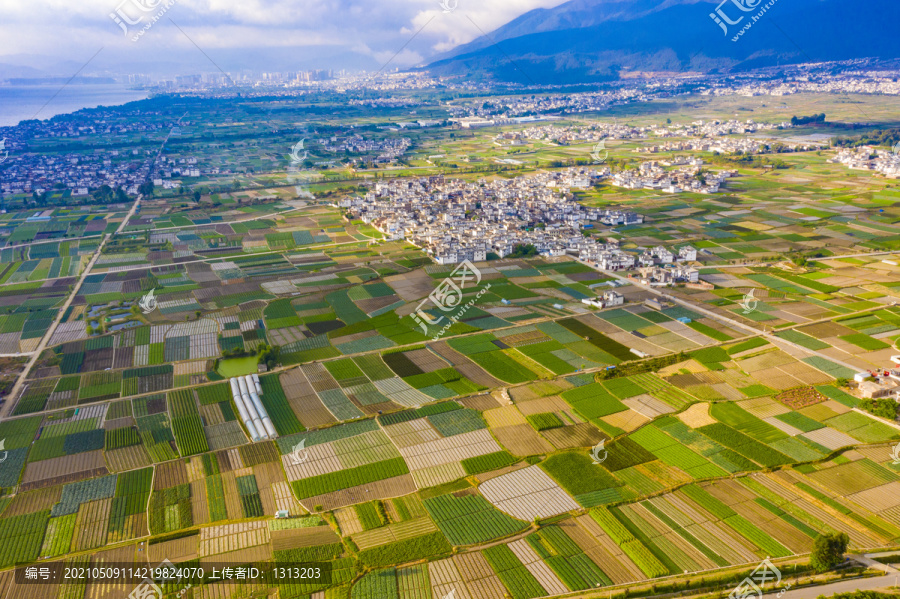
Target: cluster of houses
x=168, y=167
x=79, y=173
x=617, y=218
x=390, y=82
x=555, y=103
x=386, y=102
x=388, y=149
x=652, y=175
x=655, y=266
x=97, y=121
x=703, y=133
x=660, y=266
x=26, y=170
x=666, y=276
x=846, y=83
x=726, y=145
x=714, y=128
x=565, y=135
x=660, y=255
x=867, y=158
x=456, y=220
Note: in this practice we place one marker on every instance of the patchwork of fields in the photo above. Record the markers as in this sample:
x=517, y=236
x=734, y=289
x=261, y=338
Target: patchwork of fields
x=538, y=448
x=700, y=436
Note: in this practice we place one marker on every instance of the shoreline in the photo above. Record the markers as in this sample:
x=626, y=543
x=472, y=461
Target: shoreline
x=43, y=101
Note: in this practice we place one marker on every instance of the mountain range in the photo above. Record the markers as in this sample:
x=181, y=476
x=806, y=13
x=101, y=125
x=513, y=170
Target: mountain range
x=601, y=40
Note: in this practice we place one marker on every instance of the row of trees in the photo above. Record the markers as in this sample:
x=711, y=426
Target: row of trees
x=808, y=120
x=884, y=408
x=878, y=137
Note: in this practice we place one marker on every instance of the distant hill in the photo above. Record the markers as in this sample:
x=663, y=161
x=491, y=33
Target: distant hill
x=596, y=40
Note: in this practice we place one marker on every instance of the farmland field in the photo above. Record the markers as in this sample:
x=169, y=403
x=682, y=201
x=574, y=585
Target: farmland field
x=470, y=519
x=449, y=423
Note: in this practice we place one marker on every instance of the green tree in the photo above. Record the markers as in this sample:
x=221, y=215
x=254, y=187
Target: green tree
x=522, y=250
x=828, y=551
x=884, y=408
x=103, y=194
x=40, y=199
x=146, y=188
x=807, y=120
x=799, y=259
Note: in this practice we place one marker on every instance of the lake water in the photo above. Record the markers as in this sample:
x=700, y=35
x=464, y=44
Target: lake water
x=22, y=102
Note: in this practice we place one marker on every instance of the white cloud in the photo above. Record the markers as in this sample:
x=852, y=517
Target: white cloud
x=393, y=60
x=69, y=29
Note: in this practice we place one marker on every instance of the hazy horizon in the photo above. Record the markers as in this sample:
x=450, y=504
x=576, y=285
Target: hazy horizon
x=52, y=38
